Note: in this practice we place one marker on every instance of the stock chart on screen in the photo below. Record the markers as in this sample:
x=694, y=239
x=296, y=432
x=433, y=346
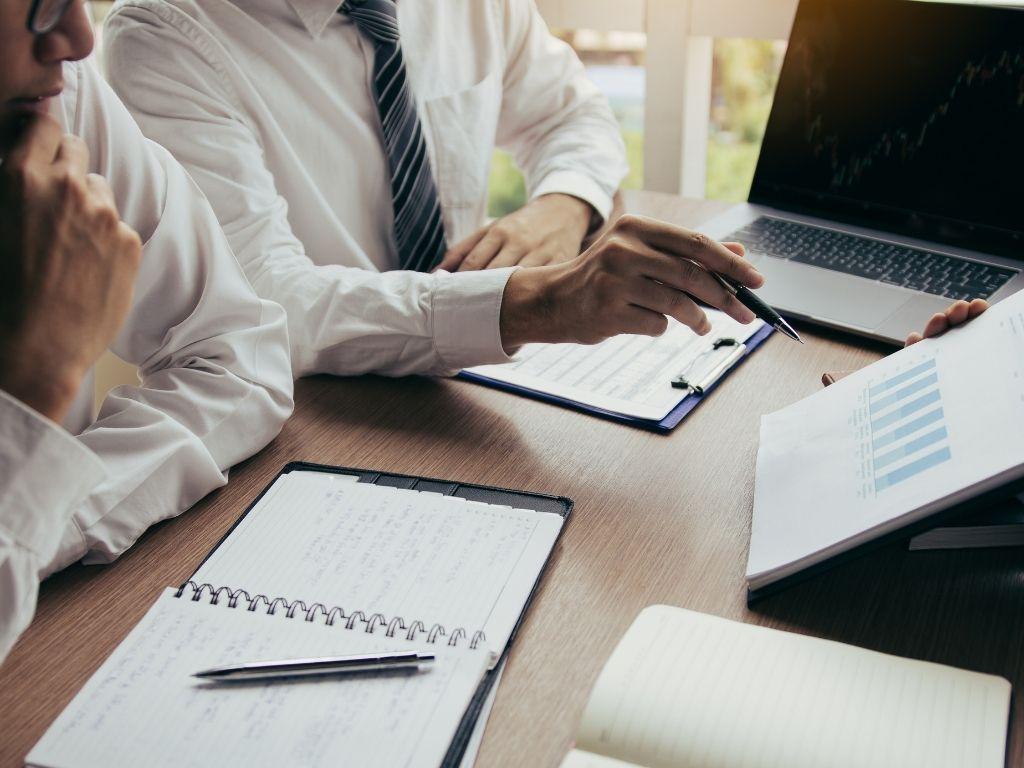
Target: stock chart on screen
x=911, y=110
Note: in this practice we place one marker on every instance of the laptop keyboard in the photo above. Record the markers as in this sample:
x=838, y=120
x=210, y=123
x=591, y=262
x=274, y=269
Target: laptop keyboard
x=912, y=268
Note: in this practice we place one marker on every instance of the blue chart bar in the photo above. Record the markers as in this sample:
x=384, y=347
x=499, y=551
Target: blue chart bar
x=902, y=394
x=908, y=430
x=910, y=448
x=910, y=408
x=895, y=381
x=911, y=469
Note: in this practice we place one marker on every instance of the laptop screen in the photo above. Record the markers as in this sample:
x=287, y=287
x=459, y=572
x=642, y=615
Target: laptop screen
x=902, y=115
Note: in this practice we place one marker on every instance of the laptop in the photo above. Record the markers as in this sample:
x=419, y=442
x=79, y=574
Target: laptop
x=891, y=177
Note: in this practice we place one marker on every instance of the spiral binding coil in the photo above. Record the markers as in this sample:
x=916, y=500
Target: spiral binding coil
x=331, y=616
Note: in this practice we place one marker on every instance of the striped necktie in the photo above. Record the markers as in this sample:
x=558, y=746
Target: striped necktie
x=419, y=229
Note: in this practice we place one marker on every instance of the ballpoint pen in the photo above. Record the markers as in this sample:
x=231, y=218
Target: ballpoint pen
x=328, y=665
x=749, y=299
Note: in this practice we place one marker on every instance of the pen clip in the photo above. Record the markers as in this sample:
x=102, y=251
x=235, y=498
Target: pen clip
x=698, y=385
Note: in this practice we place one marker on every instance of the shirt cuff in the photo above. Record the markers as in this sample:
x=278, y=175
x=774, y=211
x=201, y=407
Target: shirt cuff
x=45, y=474
x=467, y=318
x=578, y=185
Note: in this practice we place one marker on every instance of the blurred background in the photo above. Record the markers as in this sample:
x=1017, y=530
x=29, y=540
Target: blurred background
x=743, y=79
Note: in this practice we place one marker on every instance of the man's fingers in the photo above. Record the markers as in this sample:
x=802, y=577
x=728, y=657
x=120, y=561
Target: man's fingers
x=507, y=257
x=684, y=275
x=957, y=313
x=100, y=189
x=455, y=255
x=450, y=262
x=738, y=248
x=677, y=241
x=74, y=154
x=643, y=322
x=977, y=307
x=668, y=301
x=938, y=325
x=30, y=139
x=482, y=252
x=700, y=285
x=536, y=259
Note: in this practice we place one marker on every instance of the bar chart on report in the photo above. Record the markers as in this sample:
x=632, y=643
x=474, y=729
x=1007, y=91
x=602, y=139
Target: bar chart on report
x=901, y=428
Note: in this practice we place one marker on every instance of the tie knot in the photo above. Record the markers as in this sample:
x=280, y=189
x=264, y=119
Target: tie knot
x=376, y=18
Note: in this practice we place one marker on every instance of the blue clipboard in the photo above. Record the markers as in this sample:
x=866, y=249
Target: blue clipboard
x=664, y=426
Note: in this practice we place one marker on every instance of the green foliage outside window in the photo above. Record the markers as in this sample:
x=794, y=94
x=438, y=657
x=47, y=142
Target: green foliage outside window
x=745, y=73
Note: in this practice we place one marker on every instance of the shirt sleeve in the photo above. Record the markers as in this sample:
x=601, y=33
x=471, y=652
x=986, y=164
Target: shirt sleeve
x=216, y=382
x=341, y=320
x=554, y=120
x=45, y=474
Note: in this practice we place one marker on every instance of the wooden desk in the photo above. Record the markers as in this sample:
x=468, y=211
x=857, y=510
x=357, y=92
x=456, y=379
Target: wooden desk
x=658, y=520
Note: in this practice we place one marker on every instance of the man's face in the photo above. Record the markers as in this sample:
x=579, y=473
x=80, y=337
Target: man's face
x=30, y=65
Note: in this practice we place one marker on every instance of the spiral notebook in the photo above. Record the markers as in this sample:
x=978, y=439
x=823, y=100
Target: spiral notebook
x=326, y=562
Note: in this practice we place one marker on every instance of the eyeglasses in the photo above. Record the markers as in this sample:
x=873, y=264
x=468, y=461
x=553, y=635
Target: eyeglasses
x=44, y=15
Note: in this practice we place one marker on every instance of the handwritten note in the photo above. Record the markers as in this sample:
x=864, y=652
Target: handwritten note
x=143, y=707
x=400, y=553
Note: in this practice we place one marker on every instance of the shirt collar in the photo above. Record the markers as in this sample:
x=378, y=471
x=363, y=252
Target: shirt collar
x=315, y=14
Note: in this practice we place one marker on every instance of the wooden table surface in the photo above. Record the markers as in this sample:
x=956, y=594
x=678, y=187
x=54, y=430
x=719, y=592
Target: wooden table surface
x=658, y=519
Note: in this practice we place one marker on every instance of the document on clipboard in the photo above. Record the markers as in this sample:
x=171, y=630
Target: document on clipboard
x=648, y=382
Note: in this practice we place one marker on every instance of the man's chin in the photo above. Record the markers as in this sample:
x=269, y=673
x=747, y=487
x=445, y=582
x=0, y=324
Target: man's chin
x=28, y=106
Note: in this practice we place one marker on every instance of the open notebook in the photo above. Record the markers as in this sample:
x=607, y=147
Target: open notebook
x=321, y=565
x=688, y=690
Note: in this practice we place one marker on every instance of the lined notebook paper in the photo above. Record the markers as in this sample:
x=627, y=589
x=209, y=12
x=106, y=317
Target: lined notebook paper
x=143, y=707
x=686, y=690
x=422, y=556
x=321, y=565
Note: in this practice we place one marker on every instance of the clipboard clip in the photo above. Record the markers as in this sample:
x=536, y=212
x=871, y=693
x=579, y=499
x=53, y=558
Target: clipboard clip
x=699, y=382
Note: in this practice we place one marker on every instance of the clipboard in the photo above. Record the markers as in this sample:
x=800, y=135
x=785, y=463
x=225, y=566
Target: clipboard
x=699, y=383
x=537, y=502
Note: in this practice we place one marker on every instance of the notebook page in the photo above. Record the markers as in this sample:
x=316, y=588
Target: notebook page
x=687, y=690
x=914, y=433
x=418, y=556
x=142, y=707
x=629, y=375
x=579, y=759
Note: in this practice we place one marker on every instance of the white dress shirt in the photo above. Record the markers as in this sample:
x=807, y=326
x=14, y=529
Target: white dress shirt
x=215, y=378
x=269, y=104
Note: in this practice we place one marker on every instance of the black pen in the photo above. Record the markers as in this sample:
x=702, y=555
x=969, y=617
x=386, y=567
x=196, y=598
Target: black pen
x=330, y=665
x=750, y=300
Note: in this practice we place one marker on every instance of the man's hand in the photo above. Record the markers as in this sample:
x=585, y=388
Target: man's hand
x=67, y=264
x=547, y=230
x=635, y=275
x=957, y=314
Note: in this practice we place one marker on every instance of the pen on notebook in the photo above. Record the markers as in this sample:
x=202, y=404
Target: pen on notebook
x=328, y=665
x=750, y=300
